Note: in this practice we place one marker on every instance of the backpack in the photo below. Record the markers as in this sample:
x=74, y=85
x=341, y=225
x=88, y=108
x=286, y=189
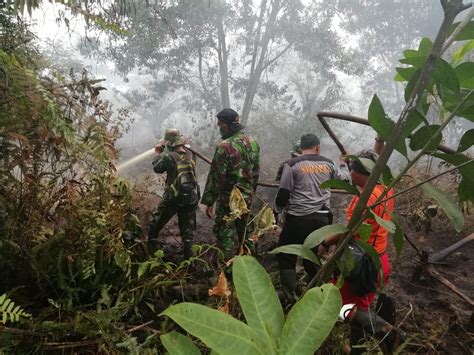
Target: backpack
x=184, y=186
x=363, y=276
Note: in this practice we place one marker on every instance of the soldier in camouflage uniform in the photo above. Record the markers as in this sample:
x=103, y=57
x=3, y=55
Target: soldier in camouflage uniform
x=296, y=152
x=181, y=194
x=236, y=162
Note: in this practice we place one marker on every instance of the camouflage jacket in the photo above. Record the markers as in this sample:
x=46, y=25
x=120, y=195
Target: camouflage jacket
x=236, y=162
x=164, y=163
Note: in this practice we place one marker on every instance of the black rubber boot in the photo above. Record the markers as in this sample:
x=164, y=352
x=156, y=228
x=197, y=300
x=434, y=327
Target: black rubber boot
x=188, y=250
x=364, y=322
x=288, y=282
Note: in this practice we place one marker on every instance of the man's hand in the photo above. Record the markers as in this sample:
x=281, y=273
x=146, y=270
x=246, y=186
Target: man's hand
x=342, y=159
x=210, y=212
x=159, y=148
x=322, y=249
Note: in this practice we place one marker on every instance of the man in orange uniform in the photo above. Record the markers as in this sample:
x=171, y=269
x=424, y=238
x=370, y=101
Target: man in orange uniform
x=362, y=317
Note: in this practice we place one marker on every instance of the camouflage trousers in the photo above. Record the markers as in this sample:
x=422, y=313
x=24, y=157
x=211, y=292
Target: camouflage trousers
x=167, y=209
x=226, y=231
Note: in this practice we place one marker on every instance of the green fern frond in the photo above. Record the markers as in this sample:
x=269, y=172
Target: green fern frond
x=9, y=311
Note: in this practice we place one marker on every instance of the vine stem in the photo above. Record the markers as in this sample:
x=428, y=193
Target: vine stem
x=451, y=10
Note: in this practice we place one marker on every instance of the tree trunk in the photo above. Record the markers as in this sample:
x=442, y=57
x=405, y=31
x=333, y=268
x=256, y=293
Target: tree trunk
x=222, y=55
x=258, y=67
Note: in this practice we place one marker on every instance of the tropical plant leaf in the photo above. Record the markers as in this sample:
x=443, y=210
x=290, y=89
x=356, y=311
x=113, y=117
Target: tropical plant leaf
x=461, y=53
x=411, y=84
x=382, y=124
x=389, y=226
x=340, y=184
x=404, y=74
x=444, y=74
x=178, y=344
x=310, y=320
x=316, y=237
x=450, y=208
x=466, y=34
x=398, y=239
x=219, y=331
x=467, y=141
x=298, y=250
x=257, y=297
x=425, y=46
x=466, y=187
x=465, y=74
x=422, y=136
x=364, y=231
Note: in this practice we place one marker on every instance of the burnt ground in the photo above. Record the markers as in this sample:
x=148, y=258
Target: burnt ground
x=435, y=319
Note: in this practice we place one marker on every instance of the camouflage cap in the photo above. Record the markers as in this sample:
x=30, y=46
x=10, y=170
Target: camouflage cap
x=173, y=138
x=296, y=150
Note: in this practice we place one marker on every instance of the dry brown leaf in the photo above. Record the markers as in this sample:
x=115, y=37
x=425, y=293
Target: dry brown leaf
x=224, y=308
x=237, y=205
x=221, y=288
x=20, y=137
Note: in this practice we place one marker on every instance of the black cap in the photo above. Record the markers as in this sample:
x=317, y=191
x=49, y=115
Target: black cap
x=231, y=119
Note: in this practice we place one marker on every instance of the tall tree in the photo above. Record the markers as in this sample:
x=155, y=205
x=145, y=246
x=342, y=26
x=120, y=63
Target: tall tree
x=225, y=53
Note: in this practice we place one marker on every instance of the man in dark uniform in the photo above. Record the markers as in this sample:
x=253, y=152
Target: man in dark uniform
x=181, y=194
x=236, y=162
x=306, y=204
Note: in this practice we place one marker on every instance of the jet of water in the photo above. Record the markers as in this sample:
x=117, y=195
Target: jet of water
x=136, y=159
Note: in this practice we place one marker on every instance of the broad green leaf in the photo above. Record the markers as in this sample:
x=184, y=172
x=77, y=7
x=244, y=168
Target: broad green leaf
x=465, y=74
x=405, y=73
x=451, y=100
x=444, y=74
x=467, y=141
x=398, y=239
x=411, y=84
x=316, y=237
x=425, y=46
x=387, y=176
x=219, y=331
x=411, y=53
x=466, y=34
x=416, y=61
x=382, y=124
x=378, y=119
x=422, y=136
x=257, y=297
x=461, y=53
x=178, y=344
x=364, y=231
x=340, y=184
x=389, y=226
x=449, y=207
x=299, y=250
x=466, y=187
x=415, y=118
x=310, y=321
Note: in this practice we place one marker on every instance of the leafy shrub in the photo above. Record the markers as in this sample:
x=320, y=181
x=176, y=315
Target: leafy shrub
x=266, y=331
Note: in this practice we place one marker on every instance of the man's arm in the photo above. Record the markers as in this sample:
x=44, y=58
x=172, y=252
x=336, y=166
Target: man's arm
x=215, y=178
x=341, y=172
x=162, y=163
x=378, y=145
x=286, y=186
x=256, y=167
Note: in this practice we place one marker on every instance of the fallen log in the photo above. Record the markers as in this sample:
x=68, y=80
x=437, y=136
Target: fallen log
x=431, y=271
x=451, y=249
x=349, y=118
